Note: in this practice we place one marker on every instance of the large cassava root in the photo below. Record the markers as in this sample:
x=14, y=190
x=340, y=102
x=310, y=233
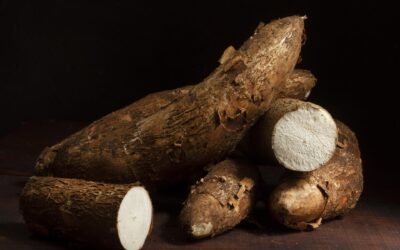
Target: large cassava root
x=109, y=216
x=220, y=200
x=297, y=86
x=201, y=127
x=98, y=131
x=304, y=199
x=299, y=135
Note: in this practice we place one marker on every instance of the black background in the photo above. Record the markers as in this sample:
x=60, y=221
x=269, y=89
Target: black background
x=78, y=60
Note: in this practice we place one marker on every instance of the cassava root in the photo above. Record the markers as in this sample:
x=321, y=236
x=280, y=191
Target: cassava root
x=298, y=86
x=299, y=135
x=202, y=127
x=220, y=200
x=256, y=97
x=108, y=216
x=304, y=199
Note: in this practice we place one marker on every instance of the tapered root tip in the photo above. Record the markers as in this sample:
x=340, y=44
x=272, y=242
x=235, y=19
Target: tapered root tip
x=297, y=205
x=200, y=215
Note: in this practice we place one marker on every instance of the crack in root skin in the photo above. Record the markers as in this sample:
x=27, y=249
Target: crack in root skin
x=223, y=197
x=160, y=137
x=333, y=190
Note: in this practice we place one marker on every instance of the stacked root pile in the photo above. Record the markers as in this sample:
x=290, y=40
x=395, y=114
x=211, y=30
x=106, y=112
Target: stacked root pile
x=248, y=114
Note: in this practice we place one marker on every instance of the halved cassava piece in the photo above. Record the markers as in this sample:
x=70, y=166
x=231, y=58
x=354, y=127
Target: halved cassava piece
x=300, y=135
x=202, y=127
x=107, y=216
x=303, y=200
x=220, y=200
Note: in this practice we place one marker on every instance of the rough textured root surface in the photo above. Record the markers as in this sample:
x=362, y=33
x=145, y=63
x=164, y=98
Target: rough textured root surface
x=298, y=85
x=303, y=200
x=202, y=127
x=108, y=216
x=220, y=200
x=90, y=138
x=300, y=136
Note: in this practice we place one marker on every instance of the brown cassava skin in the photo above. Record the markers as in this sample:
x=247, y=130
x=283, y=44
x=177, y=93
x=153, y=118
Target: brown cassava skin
x=99, y=130
x=73, y=209
x=298, y=86
x=304, y=199
x=202, y=127
x=220, y=200
x=299, y=83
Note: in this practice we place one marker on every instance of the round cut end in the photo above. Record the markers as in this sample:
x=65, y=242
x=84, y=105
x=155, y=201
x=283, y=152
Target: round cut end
x=134, y=218
x=304, y=139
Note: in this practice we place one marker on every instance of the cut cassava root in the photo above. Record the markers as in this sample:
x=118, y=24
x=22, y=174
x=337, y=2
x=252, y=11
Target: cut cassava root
x=303, y=200
x=220, y=200
x=300, y=136
x=254, y=97
x=202, y=127
x=108, y=216
x=298, y=85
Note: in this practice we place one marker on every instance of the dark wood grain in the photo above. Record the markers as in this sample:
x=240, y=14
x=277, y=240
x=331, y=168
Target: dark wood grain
x=374, y=224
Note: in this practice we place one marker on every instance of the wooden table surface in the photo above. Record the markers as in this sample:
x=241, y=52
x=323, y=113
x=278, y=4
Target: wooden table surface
x=374, y=224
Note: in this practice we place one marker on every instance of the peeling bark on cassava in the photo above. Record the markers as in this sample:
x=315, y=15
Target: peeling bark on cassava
x=108, y=216
x=202, y=127
x=298, y=85
x=101, y=132
x=303, y=200
x=220, y=200
x=299, y=135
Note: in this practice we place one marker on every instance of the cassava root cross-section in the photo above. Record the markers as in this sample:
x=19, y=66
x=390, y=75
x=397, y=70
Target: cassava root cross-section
x=300, y=136
x=201, y=127
x=220, y=200
x=304, y=199
x=109, y=216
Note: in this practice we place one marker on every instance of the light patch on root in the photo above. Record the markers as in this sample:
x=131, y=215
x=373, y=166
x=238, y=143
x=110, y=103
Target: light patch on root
x=301, y=199
x=307, y=94
x=306, y=225
x=134, y=218
x=304, y=139
x=202, y=229
x=299, y=206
